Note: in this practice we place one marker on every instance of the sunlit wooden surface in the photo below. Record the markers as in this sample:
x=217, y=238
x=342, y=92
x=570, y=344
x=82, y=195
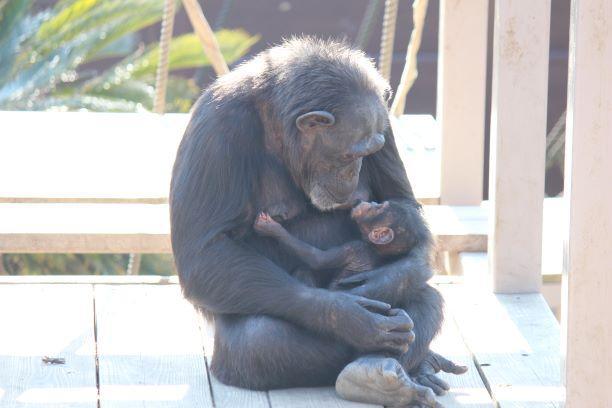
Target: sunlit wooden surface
x=89, y=157
x=128, y=344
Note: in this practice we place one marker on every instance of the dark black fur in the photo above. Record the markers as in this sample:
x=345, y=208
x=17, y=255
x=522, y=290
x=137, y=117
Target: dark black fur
x=271, y=330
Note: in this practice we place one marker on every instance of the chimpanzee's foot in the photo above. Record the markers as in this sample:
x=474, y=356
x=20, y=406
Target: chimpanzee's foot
x=266, y=226
x=382, y=380
x=433, y=363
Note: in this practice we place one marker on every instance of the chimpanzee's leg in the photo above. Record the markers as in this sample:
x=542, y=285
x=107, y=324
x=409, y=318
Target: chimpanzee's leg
x=261, y=352
x=425, y=308
x=384, y=380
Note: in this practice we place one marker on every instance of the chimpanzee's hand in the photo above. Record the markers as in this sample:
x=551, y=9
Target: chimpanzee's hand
x=370, y=325
x=375, y=284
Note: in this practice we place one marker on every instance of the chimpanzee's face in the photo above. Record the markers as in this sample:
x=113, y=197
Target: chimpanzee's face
x=333, y=147
x=376, y=222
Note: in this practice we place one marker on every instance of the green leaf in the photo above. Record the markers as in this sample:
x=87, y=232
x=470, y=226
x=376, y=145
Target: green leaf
x=186, y=51
x=110, y=19
x=118, y=48
x=180, y=94
x=11, y=13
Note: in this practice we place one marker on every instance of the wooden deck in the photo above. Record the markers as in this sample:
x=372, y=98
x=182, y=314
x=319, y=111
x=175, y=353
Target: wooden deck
x=142, y=344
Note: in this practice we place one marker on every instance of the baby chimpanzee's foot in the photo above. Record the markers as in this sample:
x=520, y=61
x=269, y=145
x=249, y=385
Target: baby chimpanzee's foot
x=382, y=380
x=266, y=226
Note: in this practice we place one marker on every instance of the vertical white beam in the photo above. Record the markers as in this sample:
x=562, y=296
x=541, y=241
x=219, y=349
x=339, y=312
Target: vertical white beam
x=587, y=278
x=462, y=74
x=518, y=137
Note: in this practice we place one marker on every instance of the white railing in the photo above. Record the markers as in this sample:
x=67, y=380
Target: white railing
x=518, y=129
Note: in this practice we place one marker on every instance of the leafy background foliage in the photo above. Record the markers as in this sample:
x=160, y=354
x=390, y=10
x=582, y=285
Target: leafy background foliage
x=49, y=60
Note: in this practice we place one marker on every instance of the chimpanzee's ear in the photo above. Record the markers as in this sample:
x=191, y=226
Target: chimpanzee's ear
x=381, y=235
x=314, y=119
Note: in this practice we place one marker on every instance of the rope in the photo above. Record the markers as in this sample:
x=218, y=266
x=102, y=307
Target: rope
x=365, y=28
x=410, y=72
x=387, y=38
x=223, y=13
x=161, y=79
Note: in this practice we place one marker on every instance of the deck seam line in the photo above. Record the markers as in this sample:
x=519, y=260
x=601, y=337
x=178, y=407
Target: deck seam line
x=96, y=354
x=479, y=369
x=208, y=372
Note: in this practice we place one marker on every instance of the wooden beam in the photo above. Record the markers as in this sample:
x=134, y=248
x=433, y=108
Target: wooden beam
x=462, y=71
x=518, y=138
x=206, y=36
x=587, y=278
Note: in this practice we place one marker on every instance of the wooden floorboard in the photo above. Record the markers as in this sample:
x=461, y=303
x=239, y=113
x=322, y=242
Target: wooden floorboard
x=514, y=338
x=467, y=390
x=149, y=347
x=153, y=350
x=53, y=321
x=226, y=396
x=311, y=398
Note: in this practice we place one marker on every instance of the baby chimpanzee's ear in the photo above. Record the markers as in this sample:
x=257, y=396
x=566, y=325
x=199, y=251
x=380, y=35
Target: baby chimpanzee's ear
x=381, y=235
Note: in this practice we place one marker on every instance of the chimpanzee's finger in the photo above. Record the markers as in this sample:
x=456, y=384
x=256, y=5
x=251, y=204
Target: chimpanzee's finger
x=403, y=321
x=439, y=382
x=374, y=305
x=428, y=382
x=448, y=366
x=357, y=278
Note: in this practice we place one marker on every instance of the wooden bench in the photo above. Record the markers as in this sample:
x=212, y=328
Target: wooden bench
x=98, y=182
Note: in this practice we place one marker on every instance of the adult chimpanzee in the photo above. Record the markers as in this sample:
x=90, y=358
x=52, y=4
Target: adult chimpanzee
x=296, y=132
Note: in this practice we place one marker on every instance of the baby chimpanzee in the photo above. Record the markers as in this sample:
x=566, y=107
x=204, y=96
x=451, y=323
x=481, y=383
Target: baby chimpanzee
x=385, y=230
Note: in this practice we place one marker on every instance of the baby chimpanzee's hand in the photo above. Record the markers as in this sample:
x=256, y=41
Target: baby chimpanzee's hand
x=266, y=226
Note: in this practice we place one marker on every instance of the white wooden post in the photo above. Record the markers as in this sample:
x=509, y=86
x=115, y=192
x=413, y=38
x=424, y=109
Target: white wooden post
x=518, y=137
x=462, y=73
x=587, y=278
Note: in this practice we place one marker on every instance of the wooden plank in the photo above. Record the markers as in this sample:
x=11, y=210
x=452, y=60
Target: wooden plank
x=54, y=321
x=458, y=228
x=311, y=398
x=587, y=277
x=418, y=142
x=85, y=228
x=514, y=338
x=226, y=396
x=149, y=348
x=518, y=130
x=123, y=157
x=467, y=390
x=84, y=156
x=89, y=279
x=117, y=228
x=462, y=71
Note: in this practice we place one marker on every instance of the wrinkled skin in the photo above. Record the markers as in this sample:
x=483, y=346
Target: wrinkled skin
x=295, y=132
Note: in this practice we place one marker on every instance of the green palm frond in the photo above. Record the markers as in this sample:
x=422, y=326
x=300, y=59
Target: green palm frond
x=11, y=12
x=43, y=56
x=109, y=19
x=185, y=52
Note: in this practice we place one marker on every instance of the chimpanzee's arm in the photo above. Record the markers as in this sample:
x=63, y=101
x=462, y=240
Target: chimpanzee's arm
x=317, y=259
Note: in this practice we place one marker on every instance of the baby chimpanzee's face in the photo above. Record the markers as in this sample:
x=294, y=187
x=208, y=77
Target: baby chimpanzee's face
x=382, y=225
